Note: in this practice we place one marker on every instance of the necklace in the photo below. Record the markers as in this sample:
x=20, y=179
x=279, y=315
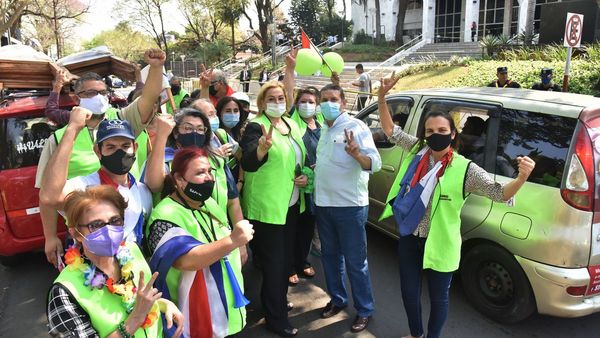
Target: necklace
x=96, y=279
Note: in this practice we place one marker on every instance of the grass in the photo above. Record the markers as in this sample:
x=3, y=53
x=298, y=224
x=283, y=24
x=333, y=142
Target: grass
x=432, y=78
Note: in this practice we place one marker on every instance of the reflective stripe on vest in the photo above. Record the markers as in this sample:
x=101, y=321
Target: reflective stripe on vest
x=105, y=309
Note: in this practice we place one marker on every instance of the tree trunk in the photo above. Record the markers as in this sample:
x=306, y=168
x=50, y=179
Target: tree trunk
x=56, y=31
x=402, y=5
x=377, y=21
x=233, y=39
x=162, y=27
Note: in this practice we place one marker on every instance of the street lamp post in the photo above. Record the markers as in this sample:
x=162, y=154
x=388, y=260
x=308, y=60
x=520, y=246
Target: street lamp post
x=182, y=64
x=172, y=59
x=343, y=17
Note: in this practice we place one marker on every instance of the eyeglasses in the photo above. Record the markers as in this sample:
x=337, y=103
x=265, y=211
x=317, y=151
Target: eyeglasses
x=98, y=224
x=91, y=93
x=212, y=83
x=188, y=128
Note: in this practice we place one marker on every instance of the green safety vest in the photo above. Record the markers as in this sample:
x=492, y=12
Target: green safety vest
x=176, y=213
x=267, y=191
x=84, y=161
x=302, y=124
x=442, y=248
x=106, y=310
x=177, y=98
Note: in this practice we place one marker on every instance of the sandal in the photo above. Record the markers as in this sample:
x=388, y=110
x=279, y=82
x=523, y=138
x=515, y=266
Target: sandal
x=293, y=279
x=309, y=272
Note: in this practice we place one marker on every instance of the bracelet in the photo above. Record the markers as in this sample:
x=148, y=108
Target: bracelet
x=123, y=331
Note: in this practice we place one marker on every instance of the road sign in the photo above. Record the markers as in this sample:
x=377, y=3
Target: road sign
x=573, y=30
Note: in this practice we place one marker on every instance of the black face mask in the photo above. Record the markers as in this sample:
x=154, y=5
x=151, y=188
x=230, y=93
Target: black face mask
x=199, y=192
x=192, y=139
x=439, y=142
x=212, y=90
x=175, y=89
x=118, y=163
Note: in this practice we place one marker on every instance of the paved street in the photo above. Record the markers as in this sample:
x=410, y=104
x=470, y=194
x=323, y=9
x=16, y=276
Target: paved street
x=23, y=290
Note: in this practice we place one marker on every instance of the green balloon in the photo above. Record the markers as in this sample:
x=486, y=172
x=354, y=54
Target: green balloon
x=308, y=61
x=335, y=61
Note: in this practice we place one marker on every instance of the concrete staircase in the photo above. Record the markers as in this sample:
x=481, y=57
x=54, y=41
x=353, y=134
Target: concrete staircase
x=444, y=51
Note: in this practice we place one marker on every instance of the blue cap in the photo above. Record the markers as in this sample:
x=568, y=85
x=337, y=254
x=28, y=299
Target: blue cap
x=113, y=128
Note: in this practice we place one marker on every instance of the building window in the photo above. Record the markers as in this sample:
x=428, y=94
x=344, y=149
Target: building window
x=447, y=20
x=491, y=17
x=415, y=4
x=538, y=13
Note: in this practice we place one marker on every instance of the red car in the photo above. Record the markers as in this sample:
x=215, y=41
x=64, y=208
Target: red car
x=23, y=132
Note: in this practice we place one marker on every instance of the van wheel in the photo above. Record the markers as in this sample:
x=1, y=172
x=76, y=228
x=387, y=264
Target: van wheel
x=496, y=285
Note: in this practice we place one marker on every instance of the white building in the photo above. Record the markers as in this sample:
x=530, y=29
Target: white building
x=446, y=20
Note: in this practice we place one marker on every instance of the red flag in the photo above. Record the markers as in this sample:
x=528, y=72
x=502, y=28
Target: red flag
x=305, y=40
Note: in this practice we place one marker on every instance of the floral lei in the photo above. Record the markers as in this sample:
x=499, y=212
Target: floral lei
x=97, y=279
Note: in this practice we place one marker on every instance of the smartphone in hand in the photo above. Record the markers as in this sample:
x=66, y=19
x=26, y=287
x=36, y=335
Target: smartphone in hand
x=298, y=170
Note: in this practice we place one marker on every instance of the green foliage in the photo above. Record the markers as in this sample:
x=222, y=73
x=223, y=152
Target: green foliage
x=362, y=38
x=123, y=41
x=490, y=43
x=584, y=74
x=305, y=14
x=334, y=27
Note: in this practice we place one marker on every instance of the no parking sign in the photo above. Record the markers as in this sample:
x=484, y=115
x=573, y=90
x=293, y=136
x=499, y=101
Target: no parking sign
x=573, y=30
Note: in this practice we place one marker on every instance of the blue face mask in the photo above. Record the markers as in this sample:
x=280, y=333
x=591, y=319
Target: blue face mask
x=214, y=123
x=231, y=120
x=546, y=80
x=330, y=110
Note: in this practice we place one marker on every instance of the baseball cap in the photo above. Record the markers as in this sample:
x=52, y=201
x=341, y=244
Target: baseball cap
x=546, y=71
x=502, y=69
x=241, y=96
x=113, y=128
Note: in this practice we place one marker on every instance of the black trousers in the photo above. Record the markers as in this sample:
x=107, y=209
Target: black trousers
x=246, y=86
x=272, y=244
x=304, y=234
x=362, y=100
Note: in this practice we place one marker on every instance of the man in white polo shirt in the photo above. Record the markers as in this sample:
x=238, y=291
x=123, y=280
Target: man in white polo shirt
x=346, y=155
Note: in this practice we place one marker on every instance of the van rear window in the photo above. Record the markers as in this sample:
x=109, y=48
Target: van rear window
x=543, y=137
x=22, y=140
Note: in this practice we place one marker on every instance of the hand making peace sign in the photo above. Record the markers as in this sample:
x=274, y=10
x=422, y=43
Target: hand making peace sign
x=265, y=141
x=387, y=84
x=352, y=147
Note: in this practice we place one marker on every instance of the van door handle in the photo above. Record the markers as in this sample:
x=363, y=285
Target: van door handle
x=388, y=168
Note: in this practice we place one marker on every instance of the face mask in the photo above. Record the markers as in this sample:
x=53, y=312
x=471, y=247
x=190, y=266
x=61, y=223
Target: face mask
x=307, y=110
x=104, y=242
x=118, y=163
x=330, y=110
x=212, y=90
x=546, y=80
x=275, y=109
x=192, y=139
x=98, y=104
x=175, y=89
x=439, y=142
x=214, y=123
x=231, y=120
x=199, y=192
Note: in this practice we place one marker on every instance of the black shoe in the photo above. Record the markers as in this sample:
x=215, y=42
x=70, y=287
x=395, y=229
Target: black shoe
x=360, y=323
x=290, y=306
x=330, y=310
x=289, y=331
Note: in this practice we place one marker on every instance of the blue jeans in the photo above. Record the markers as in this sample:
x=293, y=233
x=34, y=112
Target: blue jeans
x=344, y=248
x=410, y=251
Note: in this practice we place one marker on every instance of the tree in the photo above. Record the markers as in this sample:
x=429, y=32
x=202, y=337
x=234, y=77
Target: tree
x=377, y=21
x=230, y=12
x=265, y=13
x=10, y=13
x=402, y=5
x=202, y=19
x=330, y=8
x=528, y=34
x=58, y=16
x=123, y=41
x=305, y=14
x=148, y=15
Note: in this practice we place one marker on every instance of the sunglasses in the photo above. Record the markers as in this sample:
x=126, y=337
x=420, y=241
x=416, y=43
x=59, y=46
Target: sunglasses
x=98, y=224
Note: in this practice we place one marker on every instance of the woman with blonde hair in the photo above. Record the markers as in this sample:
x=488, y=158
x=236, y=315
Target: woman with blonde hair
x=273, y=154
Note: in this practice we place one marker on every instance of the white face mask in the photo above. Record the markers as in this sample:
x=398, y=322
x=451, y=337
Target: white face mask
x=306, y=109
x=275, y=109
x=98, y=104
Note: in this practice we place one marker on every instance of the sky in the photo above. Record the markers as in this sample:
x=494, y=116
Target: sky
x=99, y=19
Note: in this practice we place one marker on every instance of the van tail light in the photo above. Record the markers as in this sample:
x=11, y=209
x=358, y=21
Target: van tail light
x=577, y=290
x=578, y=187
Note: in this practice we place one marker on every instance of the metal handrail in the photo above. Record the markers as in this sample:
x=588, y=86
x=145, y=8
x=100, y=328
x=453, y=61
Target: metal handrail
x=408, y=44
